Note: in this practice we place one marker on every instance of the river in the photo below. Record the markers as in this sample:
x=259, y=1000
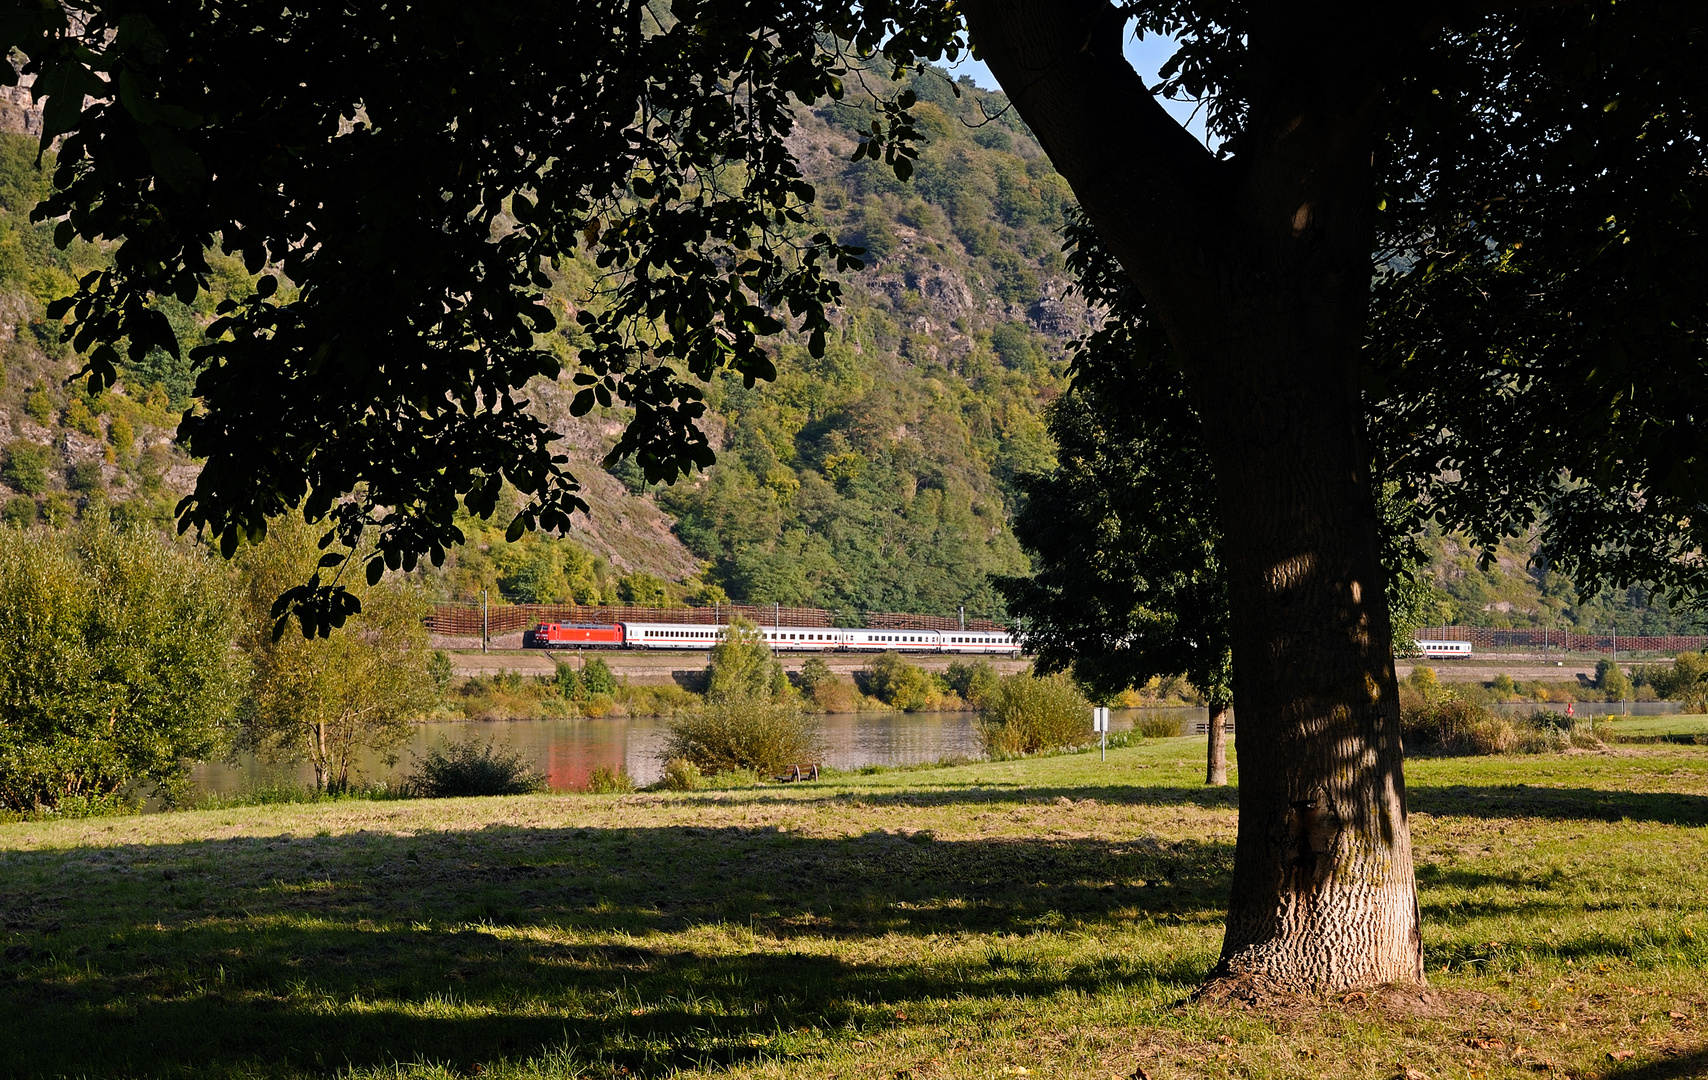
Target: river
x=567, y=751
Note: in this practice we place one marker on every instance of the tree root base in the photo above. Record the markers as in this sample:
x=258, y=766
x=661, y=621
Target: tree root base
x=1247, y=991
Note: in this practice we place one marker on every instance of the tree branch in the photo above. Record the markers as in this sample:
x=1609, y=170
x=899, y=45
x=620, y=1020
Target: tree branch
x=1148, y=185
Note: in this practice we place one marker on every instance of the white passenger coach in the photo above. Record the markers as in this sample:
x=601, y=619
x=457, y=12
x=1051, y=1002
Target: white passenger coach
x=1444, y=649
x=700, y=636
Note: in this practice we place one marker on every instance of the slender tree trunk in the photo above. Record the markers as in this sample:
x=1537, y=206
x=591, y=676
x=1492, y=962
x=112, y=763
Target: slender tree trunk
x=1216, y=770
x=1259, y=270
x=321, y=764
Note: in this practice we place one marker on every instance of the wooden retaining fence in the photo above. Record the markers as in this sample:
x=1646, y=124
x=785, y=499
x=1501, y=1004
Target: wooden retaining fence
x=463, y=619
x=1488, y=637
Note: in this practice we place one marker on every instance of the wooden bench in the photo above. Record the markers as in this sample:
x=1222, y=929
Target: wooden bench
x=805, y=771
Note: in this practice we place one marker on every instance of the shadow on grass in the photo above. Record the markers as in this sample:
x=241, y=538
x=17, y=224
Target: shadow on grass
x=1585, y=804
x=1463, y=800
x=1692, y=1063
x=284, y=956
x=969, y=793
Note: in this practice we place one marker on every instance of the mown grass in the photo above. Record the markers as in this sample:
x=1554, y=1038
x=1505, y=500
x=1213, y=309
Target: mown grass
x=1652, y=726
x=1040, y=917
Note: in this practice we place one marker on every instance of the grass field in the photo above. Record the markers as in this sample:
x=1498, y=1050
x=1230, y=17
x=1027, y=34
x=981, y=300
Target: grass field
x=1657, y=726
x=1031, y=918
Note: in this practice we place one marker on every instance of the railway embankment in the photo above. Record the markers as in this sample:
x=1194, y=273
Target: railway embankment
x=642, y=668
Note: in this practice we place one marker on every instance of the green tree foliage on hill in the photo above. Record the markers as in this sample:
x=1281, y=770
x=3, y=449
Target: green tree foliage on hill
x=852, y=489
x=536, y=569
x=1517, y=586
x=880, y=476
x=80, y=429
x=116, y=666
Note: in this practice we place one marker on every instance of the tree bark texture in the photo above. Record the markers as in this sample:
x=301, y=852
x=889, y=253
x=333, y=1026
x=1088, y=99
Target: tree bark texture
x=1216, y=768
x=1258, y=267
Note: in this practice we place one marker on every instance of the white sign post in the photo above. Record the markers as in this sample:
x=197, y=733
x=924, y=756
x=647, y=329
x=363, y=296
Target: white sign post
x=1100, y=724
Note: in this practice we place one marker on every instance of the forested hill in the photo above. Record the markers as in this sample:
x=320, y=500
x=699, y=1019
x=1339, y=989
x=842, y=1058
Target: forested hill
x=879, y=477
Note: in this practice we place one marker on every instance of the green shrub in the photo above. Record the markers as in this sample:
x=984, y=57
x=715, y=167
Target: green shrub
x=813, y=672
x=826, y=692
x=39, y=407
x=605, y=780
x=1028, y=714
x=116, y=666
x=469, y=767
x=86, y=476
x=596, y=678
x=1153, y=726
x=79, y=417
x=1685, y=681
x=835, y=696
x=680, y=774
x=1447, y=723
x=976, y=681
x=895, y=682
x=25, y=467
x=57, y=509
x=441, y=670
x=122, y=437
x=743, y=733
x=568, y=682
x=21, y=512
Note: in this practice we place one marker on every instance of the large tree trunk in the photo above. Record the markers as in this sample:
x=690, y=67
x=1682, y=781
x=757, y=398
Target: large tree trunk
x=1216, y=765
x=1259, y=270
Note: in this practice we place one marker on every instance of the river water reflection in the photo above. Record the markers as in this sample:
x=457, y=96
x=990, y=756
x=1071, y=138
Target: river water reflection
x=567, y=751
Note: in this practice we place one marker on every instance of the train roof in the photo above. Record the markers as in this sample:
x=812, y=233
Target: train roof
x=775, y=627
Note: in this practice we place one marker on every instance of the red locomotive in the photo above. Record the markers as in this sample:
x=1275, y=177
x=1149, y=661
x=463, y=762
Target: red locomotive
x=576, y=636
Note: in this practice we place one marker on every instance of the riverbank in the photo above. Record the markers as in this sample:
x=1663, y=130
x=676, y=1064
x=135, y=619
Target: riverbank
x=1039, y=917
x=566, y=752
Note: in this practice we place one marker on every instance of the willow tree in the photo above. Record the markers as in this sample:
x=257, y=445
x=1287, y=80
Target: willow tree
x=1525, y=180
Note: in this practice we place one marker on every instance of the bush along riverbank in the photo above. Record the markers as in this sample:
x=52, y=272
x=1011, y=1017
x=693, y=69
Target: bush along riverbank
x=888, y=683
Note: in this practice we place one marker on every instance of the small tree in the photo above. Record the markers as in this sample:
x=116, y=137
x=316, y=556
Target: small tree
x=1686, y=681
x=814, y=673
x=751, y=719
x=115, y=664
x=1612, y=681
x=741, y=666
x=326, y=699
